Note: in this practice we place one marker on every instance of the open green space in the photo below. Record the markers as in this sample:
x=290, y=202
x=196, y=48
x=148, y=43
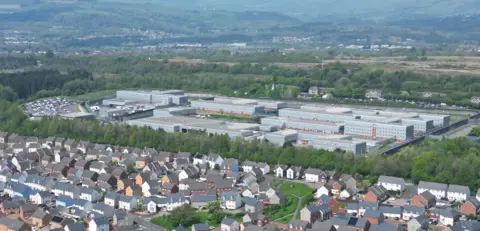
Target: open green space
x=274, y=212
x=200, y=217
x=285, y=220
x=291, y=188
x=93, y=95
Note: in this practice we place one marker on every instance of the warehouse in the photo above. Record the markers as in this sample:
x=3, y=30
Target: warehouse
x=305, y=125
x=376, y=129
x=79, y=115
x=438, y=120
x=185, y=124
x=419, y=126
x=117, y=102
x=174, y=111
x=228, y=109
x=282, y=137
x=171, y=97
x=325, y=115
x=357, y=147
x=270, y=106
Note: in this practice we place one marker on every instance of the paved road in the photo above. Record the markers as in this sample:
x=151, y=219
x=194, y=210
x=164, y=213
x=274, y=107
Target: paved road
x=147, y=224
x=460, y=132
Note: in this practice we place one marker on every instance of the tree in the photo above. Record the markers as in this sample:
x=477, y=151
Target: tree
x=213, y=206
x=49, y=54
x=216, y=167
x=131, y=168
x=183, y=215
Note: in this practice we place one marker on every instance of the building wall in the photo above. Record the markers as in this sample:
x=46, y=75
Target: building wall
x=230, y=109
x=438, y=120
x=419, y=125
x=311, y=115
x=371, y=129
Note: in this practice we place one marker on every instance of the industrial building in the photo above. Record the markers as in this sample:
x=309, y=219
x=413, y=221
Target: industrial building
x=270, y=106
x=305, y=125
x=438, y=120
x=170, y=97
x=185, y=124
x=228, y=109
x=329, y=115
x=78, y=115
x=311, y=140
x=419, y=126
x=377, y=129
x=174, y=111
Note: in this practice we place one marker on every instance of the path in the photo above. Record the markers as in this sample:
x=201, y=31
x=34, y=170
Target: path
x=460, y=132
x=299, y=202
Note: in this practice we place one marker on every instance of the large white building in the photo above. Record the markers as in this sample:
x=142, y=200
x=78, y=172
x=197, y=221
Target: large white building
x=383, y=130
x=392, y=183
x=305, y=125
x=437, y=189
x=228, y=109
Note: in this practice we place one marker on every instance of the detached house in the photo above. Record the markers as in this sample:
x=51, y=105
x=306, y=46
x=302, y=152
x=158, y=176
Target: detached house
x=471, y=206
x=281, y=170
x=229, y=165
x=229, y=224
x=231, y=200
x=376, y=193
x=425, y=199
x=40, y=218
x=214, y=159
x=313, y=213
x=315, y=175
x=392, y=183
x=294, y=172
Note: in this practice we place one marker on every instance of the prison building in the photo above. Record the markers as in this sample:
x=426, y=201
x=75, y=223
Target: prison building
x=438, y=120
x=419, y=126
x=228, y=109
x=314, y=115
x=171, y=97
x=282, y=137
x=174, y=111
x=383, y=130
x=340, y=143
x=186, y=124
x=338, y=110
x=304, y=125
x=272, y=106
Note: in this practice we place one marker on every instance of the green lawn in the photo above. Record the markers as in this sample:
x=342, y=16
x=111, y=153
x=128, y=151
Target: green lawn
x=274, y=212
x=285, y=220
x=164, y=222
x=93, y=95
x=290, y=188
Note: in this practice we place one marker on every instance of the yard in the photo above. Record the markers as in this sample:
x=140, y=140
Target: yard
x=275, y=212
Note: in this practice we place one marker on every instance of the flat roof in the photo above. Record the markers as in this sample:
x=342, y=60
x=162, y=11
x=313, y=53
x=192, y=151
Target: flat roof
x=200, y=123
x=285, y=132
x=228, y=103
x=77, y=114
x=301, y=121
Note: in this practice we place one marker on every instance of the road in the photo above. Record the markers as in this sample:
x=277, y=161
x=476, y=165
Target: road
x=145, y=222
x=461, y=132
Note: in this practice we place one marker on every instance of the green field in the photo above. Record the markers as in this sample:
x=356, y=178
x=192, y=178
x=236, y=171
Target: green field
x=93, y=95
x=202, y=216
x=290, y=188
x=274, y=212
x=285, y=220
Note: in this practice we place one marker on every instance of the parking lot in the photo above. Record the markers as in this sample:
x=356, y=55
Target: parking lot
x=50, y=107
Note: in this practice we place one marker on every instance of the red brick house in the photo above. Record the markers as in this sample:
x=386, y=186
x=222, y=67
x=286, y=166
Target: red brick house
x=376, y=194
x=425, y=199
x=470, y=207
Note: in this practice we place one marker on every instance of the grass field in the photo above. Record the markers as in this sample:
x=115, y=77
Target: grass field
x=290, y=188
x=275, y=212
x=285, y=220
x=93, y=95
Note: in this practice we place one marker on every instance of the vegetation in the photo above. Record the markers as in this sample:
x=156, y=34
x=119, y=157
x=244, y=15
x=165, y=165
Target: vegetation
x=274, y=212
x=298, y=189
x=475, y=131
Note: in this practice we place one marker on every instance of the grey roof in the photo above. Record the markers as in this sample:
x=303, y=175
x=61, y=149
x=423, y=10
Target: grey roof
x=391, y=209
x=229, y=195
x=432, y=186
x=202, y=198
x=39, y=213
x=421, y=219
x=458, y=189
x=385, y=227
x=201, y=226
x=346, y=228
x=379, y=190
x=76, y=227
x=413, y=209
x=475, y=202
x=466, y=226
x=322, y=226
x=368, y=205
x=373, y=213
x=227, y=221
x=250, y=201
x=391, y=179
x=180, y=228
x=101, y=220
x=352, y=206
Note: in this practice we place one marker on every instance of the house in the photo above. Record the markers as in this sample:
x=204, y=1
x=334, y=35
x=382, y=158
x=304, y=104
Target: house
x=392, y=183
x=133, y=190
x=229, y=224
x=4, y=137
x=201, y=201
x=11, y=207
x=98, y=167
x=40, y=218
x=8, y=224
x=349, y=223
x=277, y=198
x=418, y=223
x=142, y=161
x=323, y=226
x=201, y=227
x=174, y=201
x=213, y=160
x=374, y=216
x=19, y=190
x=199, y=159
x=252, y=205
x=26, y=210
x=281, y=170
x=106, y=178
x=446, y=216
x=144, y=176
x=465, y=226
x=123, y=184
x=312, y=213
x=437, y=189
x=171, y=178
x=331, y=202
x=103, y=209
x=119, y=173
x=91, y=194
x=376, y=193
x=89, y=175
x=163, y=157
x=229, y=165
x=366, y=205
x=470, y=206
x=298, y=225
x=350, y=181
x=373, y=94
x=255, y=218
x=391, y=212
x=294, y=172
x=337, y=187
x=63, y=201
x=231, y=200
x=99, y=224
x=345, y=194
x=190, y=172
x=412, y=211
x=458, y=193
x=315, y=175
x=425, y=199
x=122, y=219
x=41, y=197
x=314, y=90
x=127, y=202
x=82, y=204
x=323, y=190
x=169, y=188
x=386, y=227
